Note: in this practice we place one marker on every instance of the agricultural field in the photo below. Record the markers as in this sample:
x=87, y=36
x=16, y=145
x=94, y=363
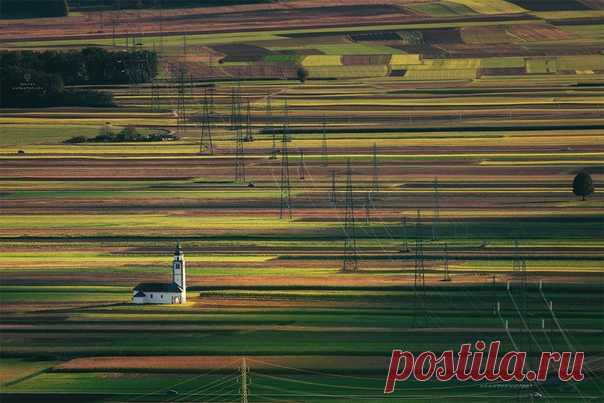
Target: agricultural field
x=441, y=137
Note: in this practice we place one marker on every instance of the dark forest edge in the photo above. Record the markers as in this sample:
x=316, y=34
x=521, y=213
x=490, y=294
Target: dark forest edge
x=33, y=8
x=166, y=4
x=38, y=79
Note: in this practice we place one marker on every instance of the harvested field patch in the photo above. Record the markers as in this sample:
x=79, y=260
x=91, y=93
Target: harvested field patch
x=479, y=50
x=491, y=6
x=585, y=62
x=405, y=59
x=502, y=62
x=354, y=60
x=284, y=57
x=352, y=71
x=536, y=32
x=12, y=369
x=550, y=5
x=441, y=9
x=228, y=363
x=448, y=64
x=439, y=36
x=504, y=71
x=242, y=52
x=541, y=65
x=321, y=60
x=438, y=75
x=484, y=35
x=355, y=49
x=374, y=36
x=411, y=37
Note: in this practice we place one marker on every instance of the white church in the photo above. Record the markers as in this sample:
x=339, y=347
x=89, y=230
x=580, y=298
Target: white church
x=165, y=293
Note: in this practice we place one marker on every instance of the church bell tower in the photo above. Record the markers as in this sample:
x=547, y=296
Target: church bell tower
x=178, y=271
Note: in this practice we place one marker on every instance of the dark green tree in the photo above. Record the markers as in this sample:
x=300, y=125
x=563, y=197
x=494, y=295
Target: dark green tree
x=583, y=185
x=302, y=74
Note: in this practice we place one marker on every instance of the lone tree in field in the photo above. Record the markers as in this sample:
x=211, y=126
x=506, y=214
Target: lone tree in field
x=302, y=74
x=583, y=185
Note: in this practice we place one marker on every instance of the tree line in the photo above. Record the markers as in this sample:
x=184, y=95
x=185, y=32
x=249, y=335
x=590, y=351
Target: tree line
x=130, y=4
x=29, y=79
x=33, y=8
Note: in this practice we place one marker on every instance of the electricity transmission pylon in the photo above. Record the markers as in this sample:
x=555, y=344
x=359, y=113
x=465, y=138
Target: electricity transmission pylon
x=519, y=267
x=375, y=184
x=332, y=191
x=181, y=111
x=233, y=108
x=351, y=258
x=436, y=206
x=324, y=156
x=419, y=282
x=244, y=381
x=206, y=144
x=239, y=150
x=519, y=264
x=269, y=125
x=301, y=166
x=248, y=123
x=405, y=243
x=446, y=276
x=160, y=6
x=155, y=99
x=285, y=207
x=368, y=208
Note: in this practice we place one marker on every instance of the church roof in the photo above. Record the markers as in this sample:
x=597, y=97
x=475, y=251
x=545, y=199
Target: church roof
x=158, y=287
x=178, y=250
x=139, y=294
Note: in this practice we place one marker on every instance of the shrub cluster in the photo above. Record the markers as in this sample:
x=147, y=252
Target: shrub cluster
x=126, y=135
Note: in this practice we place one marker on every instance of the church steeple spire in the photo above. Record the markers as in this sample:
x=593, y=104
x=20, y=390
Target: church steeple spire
x=179, y=275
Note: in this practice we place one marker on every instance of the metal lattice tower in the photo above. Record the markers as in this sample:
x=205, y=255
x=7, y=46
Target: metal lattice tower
x=368, y=208
x=405, y=244
x=446, y=276
x=324, y=156
x=519, y=264
x=159, y=4
x=191, y=88
x=136, y=69
x=269, y=125
x=205, y=142
x=115, y=20
x=375, y=184
x=233, y=108
x=139, y=22
x=522, y=295
x=285, y=207
x=244, y=381
x=436, y=206
x=239, y=149
x=332, y=192
x=181, y=111
x=248, y=123
x=520, y=273
x=155, y=99
x=419, y=282
x=351, y=258
x=301, y=166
